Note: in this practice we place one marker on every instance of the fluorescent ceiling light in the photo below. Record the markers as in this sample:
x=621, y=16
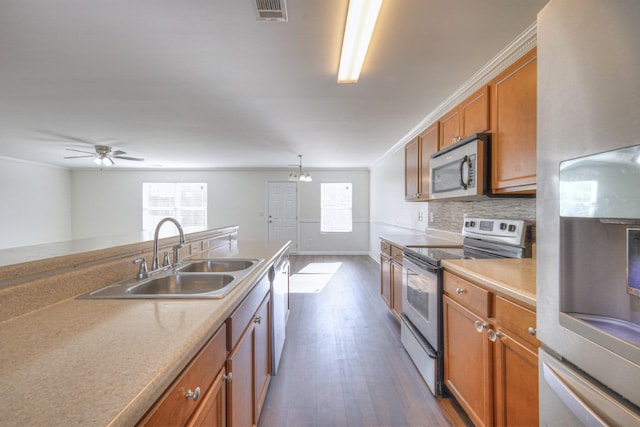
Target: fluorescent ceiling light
x=361, y=20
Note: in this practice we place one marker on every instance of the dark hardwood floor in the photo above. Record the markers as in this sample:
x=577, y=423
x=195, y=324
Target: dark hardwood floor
x=343, y=363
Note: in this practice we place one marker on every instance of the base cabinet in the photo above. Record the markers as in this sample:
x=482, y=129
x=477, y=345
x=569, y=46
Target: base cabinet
x=391, y=277
x=490, y=354
x=249, y=362
x=212, y=412
x=198, y=393
x=467, y=361
x=227, y=381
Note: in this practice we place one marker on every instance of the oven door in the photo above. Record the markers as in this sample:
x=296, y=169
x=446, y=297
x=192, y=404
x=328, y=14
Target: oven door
x=422, y=297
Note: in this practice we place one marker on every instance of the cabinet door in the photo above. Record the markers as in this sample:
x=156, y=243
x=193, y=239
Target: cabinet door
x=262, y=356
x=467, y=361
x=212, y=411
x=514, y=127
x=428, y=146
x=449, y=128
x=475, y=113
x=385, y=279
x=240, y=389
x=411, y=169
x=516, y=385
x=396, y=284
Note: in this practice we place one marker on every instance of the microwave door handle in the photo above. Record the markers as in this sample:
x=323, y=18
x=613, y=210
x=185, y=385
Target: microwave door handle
x=464, y=185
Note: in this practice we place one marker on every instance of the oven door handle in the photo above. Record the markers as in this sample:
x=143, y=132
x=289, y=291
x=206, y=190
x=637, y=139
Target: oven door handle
x=418, y=264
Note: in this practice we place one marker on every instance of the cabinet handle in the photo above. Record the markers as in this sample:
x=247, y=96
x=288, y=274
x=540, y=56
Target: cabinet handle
x=532, y=331
x=493, y=335
x=480, y=326
x=227, y=378
x=193, y=394
x=460, y=291
x=258, y=319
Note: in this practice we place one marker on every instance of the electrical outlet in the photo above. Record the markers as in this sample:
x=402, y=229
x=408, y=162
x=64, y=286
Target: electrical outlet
x=420, y=216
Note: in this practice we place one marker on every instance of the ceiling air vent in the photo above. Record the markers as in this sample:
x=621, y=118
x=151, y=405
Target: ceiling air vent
x=270, y=10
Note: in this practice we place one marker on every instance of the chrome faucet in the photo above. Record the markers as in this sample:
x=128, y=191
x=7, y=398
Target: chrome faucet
x=176, y=261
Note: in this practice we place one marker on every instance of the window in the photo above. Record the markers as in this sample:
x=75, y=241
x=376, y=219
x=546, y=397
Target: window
x=335, y=208
x=184, y=201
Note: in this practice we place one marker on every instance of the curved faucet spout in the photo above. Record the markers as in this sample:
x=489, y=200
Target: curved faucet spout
x=155, y=241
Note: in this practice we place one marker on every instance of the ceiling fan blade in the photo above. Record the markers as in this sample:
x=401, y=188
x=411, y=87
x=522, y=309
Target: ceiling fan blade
x=76, y=157
x=68, y=137
x=118, y=153
x=136, y=159
x=80, y=151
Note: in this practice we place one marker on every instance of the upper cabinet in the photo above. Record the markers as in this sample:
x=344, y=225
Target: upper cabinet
x=506, y=108
x=469, y=117
x=513, y=112
x=417, y=154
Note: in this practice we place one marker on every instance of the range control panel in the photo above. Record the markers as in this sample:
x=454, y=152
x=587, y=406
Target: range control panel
x=511, y=231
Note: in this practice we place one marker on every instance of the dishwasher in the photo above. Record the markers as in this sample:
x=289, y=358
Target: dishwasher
x=279, y=278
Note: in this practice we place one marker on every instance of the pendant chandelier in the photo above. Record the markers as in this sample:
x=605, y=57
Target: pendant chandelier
x=299, y=175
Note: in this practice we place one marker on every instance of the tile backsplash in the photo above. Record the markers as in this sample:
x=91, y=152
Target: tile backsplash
x=449, y=215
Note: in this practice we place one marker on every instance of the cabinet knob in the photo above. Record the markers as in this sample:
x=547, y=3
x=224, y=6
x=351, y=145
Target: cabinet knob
x=460, y=291
x=532, y=331
x=493, y=335
x=258, y=319
x=228, y=377
x=480, y=326
x=193, y=394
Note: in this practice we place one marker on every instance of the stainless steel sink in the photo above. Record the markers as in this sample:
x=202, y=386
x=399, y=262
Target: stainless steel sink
x=182, y=284
x=201, y=278
x=216, y=265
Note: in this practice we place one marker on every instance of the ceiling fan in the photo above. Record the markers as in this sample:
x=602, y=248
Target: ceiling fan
x=104, y=155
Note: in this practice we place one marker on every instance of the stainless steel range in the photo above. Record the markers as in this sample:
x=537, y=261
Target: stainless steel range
x=421, y=329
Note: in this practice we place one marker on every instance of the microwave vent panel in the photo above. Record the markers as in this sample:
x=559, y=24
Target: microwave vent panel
x=270, y=10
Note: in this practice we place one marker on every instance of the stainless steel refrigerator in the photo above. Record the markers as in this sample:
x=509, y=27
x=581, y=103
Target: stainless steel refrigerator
x=588, y=212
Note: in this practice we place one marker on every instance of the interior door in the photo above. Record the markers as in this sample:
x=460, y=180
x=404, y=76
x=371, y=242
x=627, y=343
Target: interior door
x=283, y=212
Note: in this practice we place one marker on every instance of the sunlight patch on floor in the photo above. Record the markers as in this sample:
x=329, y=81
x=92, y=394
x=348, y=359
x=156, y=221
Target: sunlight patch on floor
x=313, y=278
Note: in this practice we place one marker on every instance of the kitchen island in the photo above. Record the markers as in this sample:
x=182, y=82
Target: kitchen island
x=106, y=362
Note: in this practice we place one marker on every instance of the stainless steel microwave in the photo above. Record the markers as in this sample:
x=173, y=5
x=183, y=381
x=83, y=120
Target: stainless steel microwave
x=461, y=171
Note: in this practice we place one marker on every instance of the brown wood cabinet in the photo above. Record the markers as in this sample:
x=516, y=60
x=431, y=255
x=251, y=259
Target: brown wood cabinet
x=469, y=117
x=391, y=277
x=514, y=121
x=249, y=362
x=490, y=354
x=227, y=382
x=198, y=393
x=417, y=155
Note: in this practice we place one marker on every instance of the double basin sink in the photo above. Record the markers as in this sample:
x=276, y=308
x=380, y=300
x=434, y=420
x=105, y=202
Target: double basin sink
x=200, y=278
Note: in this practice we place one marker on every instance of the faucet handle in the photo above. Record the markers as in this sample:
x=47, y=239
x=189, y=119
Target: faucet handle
x=166, y=259
x=176, y=254
x=143, y=272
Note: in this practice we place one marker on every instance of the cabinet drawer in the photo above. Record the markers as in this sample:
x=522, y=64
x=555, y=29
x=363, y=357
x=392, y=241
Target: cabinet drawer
x=385, y=248
x=465, y=292
x=517, y=319
x=174, y=408
x=243, y=315
x=396, y=254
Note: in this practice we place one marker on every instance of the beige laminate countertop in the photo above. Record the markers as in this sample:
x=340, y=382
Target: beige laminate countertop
x=423, y=240
x=515, y=278
x=105, y=362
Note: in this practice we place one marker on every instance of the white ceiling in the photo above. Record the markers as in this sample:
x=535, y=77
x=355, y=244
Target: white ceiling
x=203, y=84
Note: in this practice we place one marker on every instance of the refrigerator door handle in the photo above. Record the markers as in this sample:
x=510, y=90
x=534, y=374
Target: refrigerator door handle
x=573, y=402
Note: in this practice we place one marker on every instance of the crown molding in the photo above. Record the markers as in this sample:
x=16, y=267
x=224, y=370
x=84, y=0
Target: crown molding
x=526, y=41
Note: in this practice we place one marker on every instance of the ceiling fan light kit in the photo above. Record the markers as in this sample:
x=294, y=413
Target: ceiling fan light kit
x=361, y=20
